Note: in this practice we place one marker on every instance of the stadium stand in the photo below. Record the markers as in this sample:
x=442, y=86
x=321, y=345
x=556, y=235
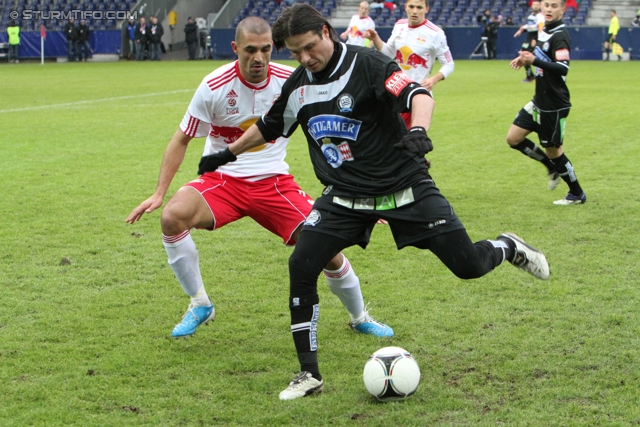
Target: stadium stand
x=443, y=12
x=45, y=8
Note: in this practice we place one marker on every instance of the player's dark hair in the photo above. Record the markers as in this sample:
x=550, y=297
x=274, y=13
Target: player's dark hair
x=300, y=18
x=252, y=25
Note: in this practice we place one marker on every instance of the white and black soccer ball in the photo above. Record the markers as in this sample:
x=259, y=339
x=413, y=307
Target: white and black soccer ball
x=391, y=373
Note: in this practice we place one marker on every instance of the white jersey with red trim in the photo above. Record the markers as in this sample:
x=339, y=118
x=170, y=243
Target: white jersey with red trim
x=417, y=48
x=225, y=105
x=357, y=27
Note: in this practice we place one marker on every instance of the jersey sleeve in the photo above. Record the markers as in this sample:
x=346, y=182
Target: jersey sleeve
x=389, y=48
x=562, y=51
x=443, y=54
x=400, y=88
x=281, y=119
x=196, y=122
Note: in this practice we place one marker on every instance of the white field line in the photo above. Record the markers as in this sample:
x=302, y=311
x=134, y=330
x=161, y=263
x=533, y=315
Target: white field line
x=91, y=101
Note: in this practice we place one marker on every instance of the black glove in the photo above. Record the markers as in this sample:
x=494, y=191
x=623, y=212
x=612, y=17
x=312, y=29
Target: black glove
x=214, y=161
x=416, y=142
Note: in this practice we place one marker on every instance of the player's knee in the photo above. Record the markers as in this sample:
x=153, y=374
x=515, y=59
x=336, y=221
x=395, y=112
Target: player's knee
x=468, y=271
x=172, y=222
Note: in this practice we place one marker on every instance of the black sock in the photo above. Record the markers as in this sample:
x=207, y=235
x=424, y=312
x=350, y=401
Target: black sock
x=309, y=362
x=511, y=251
x=530, y=149
x=304, y=321
x=527, y=68
x=565, y=169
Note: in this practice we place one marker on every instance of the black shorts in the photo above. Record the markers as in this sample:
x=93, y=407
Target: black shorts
x=549, y=125
x=414, y=214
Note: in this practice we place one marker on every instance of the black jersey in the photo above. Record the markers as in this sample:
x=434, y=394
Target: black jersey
x=349, y=113
x=553, y=46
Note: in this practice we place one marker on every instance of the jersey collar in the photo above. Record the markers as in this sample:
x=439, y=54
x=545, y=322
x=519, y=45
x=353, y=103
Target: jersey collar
x=254, y=86
x=553, y=26
x=419, y=25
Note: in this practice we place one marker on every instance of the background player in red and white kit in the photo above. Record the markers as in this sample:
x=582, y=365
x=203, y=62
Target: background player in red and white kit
x=360, y=22
x=257, y=185
x=416, y=43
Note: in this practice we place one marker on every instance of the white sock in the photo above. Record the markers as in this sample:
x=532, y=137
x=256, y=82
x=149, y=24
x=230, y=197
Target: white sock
x=500, y=244
x=346, y=286
x=185, y=263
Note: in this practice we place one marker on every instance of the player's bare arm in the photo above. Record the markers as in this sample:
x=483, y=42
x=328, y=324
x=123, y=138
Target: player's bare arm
x=375, y=38
x=422, y=111
x=250, y=139
x=430, y=82
x=173, y=157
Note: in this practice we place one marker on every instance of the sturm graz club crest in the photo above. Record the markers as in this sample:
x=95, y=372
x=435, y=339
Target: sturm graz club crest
x=313, y=218
x=345, y=103
x=332, y=153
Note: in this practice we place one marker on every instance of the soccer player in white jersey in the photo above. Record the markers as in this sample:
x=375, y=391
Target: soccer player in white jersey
x=360, y=22
x=535, y=23
x=416, y=43
x=257, y=185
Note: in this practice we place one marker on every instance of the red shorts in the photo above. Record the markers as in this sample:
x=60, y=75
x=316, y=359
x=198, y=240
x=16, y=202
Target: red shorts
x=407, y=119
x=276, y=203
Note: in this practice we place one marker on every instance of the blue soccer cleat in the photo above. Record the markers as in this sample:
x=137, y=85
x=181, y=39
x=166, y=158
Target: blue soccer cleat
x=194, y=317
x=369, y=326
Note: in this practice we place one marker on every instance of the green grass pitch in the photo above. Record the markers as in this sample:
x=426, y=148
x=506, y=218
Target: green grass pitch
x=88, y=302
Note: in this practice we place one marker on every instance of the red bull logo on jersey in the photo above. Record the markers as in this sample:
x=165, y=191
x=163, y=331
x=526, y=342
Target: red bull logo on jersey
x=355, y=32
x=407, y=59
x=231, y=133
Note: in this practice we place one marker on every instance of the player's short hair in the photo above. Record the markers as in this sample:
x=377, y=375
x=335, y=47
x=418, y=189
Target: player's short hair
x=300, y=18
x=252, y=25
x=426, y=2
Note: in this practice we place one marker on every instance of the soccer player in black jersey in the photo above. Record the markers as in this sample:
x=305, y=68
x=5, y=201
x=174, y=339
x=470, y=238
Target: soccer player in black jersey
x=547, y=113
x=347, y=100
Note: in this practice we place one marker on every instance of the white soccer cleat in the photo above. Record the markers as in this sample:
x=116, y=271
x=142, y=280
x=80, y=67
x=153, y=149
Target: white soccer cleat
x=528, y=258
x=302, y=385
x=570, y=199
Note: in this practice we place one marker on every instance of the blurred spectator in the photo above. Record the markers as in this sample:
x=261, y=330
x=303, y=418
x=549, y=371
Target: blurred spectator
x=13, y=36
x=389, y=5
x=360, y=22
x=191, y=37
x=84, y=48
x=71, y=32
x=131, y=36
x=485, y=18
x=509, y=21
x=573, y=4
x=491, y=33
x=155, y=38
x=376, y=4
x=636, y=22
x=141, y=39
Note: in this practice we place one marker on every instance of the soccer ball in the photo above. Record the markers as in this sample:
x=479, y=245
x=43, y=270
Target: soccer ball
x=391, y=373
